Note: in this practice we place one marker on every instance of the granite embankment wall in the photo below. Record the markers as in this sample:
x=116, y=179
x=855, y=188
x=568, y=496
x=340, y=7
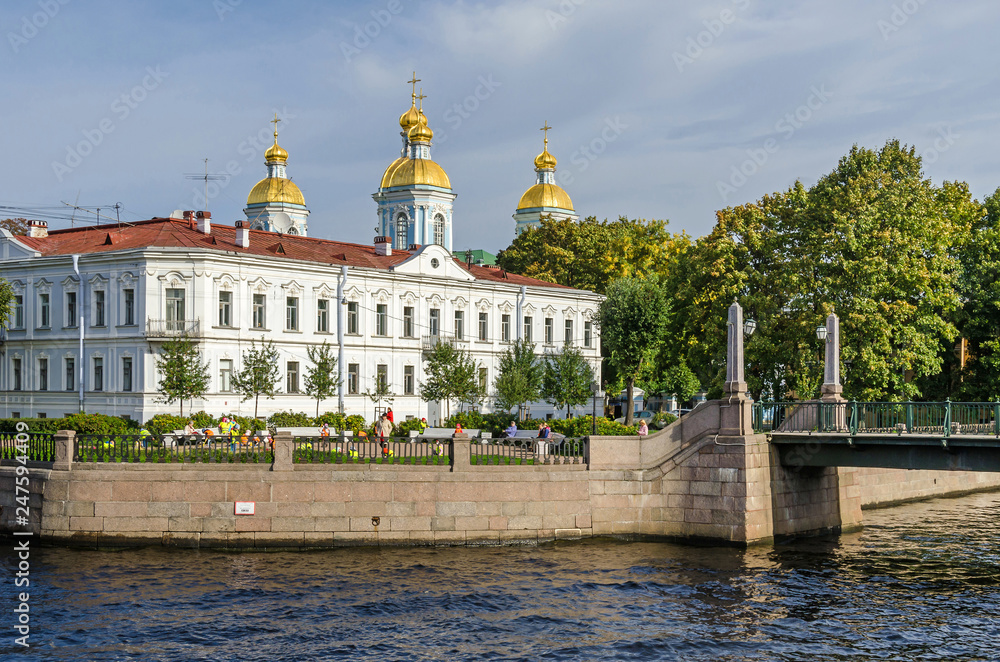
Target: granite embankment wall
x=693, y=481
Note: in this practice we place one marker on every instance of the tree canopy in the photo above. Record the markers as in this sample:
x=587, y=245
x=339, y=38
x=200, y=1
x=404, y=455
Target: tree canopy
x=259, y=375
x=321, y=379
x=451, y=375
x=567, y=378
x=183, y=375
x=519, y=377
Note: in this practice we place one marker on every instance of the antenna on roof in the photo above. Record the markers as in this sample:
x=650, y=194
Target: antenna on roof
x=118, y=215
x=207, y=178
x=72, y=219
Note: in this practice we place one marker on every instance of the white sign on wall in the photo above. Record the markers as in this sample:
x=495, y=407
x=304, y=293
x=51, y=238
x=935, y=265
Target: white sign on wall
x=245, y=507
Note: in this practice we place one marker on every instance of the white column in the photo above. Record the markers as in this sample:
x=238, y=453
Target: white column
x=735, y=382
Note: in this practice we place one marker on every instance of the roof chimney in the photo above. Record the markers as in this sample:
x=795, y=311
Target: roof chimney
x=468, y=258
x=413, y=247
x=243, y=234
x=204, y=219
x=383, y=246
x=38, y=229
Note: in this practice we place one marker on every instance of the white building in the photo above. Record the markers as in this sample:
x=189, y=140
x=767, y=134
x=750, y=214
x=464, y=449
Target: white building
x=131, y=287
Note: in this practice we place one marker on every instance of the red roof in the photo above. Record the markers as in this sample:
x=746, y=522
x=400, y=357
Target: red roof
x=176, y=233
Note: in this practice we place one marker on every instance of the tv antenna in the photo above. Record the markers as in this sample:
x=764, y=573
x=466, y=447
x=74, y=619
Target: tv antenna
x=207, y=177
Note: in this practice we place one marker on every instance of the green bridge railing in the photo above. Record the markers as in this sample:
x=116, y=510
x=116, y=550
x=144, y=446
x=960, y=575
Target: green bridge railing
x=942, y=419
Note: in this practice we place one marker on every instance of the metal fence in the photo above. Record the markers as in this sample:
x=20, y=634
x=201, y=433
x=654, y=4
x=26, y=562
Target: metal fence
x=927, y=418
x=40, y=447
x=571, y=450
x=134, y=448
x=367, y=450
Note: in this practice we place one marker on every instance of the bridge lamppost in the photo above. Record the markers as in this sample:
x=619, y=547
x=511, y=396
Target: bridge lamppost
x=736, y=412
x=830, y=333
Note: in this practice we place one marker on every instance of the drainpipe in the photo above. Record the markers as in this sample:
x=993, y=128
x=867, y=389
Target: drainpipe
x=340, y=337
x=520, y=312
x=83, y=307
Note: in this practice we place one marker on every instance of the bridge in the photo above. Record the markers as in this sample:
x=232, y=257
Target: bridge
x=950, y=436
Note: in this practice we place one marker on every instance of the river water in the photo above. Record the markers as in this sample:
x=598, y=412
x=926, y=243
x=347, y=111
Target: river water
x=920, y=582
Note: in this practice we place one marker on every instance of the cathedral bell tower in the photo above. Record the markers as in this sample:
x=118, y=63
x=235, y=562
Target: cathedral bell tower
x=276, y=203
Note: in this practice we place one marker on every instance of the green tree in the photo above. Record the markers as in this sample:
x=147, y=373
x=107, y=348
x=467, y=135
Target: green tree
x=519, y=377
x=451, y=374
x=322, y=379
x=567, y=378
x=183, y=375
x=259, y=374
x=632, y=320
x=381, y=393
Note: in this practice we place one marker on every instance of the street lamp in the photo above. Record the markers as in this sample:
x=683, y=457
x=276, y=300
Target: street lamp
x=749, y=327
x=595, y=388
x=821, y=333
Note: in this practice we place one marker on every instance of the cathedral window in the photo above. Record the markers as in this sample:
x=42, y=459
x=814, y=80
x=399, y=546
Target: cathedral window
x=439, y=229
x=402, y=226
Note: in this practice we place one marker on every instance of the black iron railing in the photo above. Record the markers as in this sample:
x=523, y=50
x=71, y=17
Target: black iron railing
x=32, y=446
x=134, y=448
x=571, y=450
x=370, y=450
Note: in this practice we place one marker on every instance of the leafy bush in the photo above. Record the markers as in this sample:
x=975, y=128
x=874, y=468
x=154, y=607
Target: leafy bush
x=662, y=419
x=403, y=428
x=9, y=425
x=203, y=420
x=332, y=418
x=165, y=423
x=96, y=424
x=290, y=419
x=354, y=423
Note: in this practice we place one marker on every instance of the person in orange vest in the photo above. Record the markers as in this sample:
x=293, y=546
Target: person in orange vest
x=325, y=430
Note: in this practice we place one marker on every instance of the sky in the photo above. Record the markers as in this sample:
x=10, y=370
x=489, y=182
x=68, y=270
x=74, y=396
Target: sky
x=660, y=109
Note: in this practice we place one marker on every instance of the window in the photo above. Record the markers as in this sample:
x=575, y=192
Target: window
x=484, y=326
x=352, y=317
x=568, y=335
x=43, y=374
x=225, y=308
x=381, y=319
x=225, y=375
x=323, y=316
x=548, y=330
x=401, y=230
x=70, y=309
x=175, y=309
x=259, y=311
x=70, y=374
x=588, y=334
x=43, y=311
x=382, y=376
x=408, y=380
x=408, y=321
x=128, y=297
x=99, y=319
x=352, y=378
x=18, y=312
x=434, y=323
x=459, y=325
x=484, y=378
x=527, y=329
x=18, y=385
x=126, y=373
x=439, y=229
x=292, y=377
x=98, y=373
x=291, y=313
x=505, y=328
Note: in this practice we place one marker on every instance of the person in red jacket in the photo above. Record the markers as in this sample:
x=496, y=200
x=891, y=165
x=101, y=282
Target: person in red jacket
x=388, y=414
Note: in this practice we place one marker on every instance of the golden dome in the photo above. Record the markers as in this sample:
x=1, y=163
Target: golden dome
x=410, y=118
x=545, y=195
x=275, y=189
x=545, y=160
x=410, y=172
x=420, y=133
x=275, y=152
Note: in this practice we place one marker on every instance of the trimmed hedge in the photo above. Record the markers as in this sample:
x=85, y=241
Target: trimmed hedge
x=82, y=423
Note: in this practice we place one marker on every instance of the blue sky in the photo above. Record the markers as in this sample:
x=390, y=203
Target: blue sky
x=661, y=109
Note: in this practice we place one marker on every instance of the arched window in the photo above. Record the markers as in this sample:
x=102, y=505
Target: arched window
x=402, y=225
x=439, y=229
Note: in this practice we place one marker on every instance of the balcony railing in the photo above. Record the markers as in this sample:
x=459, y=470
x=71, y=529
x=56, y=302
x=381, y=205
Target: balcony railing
x=429, y=342
x=172, y=328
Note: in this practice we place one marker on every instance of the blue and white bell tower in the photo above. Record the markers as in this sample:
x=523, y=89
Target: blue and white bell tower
x=415, y=197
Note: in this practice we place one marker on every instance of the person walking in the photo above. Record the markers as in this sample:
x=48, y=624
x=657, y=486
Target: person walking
x=388, y=414
x=383, y=428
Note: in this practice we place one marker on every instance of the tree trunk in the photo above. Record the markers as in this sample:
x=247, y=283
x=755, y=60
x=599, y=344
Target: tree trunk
x=256, y=402
x=630, y=411
x=317, y=407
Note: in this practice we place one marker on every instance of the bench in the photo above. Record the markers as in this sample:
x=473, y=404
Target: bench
x=442, y=433
x=311, y=431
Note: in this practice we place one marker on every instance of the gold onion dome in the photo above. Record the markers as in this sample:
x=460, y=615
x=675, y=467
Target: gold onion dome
x=413, y=172
x=275, y=189
x=275, y=153
x=411, y=117
x=545, y=195
x=421, y=133
x=545, y=160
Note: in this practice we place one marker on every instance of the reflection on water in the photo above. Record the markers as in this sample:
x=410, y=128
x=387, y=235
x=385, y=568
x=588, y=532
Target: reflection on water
x=919, y=582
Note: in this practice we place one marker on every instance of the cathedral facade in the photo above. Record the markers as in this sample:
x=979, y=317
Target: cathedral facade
x=93, y=306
